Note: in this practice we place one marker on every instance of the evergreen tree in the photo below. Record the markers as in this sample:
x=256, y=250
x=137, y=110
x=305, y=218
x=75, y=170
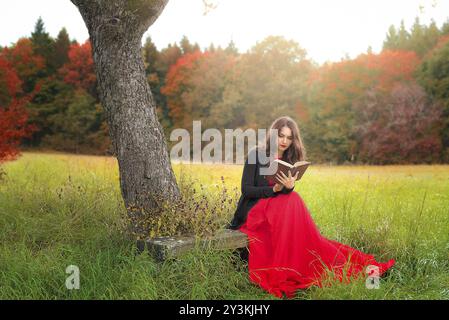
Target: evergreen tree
x=186, y=46
x=403, y=38
x=150, y=55
x=48, y=102
x=232, y=49
x=211, y=48
x=421, y=39
x=168, y=57
x=445, y=27
x=432, y=35
x=78, y=118
x=43, y=45
x=156, y=78
x=61, y=49
x=391, y=43
x=196, y=47
x=433, y=75
x=417, y=36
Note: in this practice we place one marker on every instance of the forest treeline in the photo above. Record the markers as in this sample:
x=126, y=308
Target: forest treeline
x=385, y=108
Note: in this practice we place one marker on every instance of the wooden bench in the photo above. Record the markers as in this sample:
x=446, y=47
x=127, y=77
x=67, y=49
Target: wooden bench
x=162, y=248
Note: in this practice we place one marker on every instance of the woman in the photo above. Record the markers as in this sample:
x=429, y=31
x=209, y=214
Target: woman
x=286, y=250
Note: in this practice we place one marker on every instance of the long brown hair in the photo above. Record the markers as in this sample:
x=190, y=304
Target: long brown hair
x=296, y=151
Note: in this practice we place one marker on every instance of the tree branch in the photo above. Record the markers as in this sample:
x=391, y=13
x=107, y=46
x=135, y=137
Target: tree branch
x=147, y=10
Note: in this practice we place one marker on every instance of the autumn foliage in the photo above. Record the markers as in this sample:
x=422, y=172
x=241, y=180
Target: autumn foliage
x=13, y=115
x=377, y=108
x=48, y=96
x=79, y=71
x=26, y=64
x=401, y=125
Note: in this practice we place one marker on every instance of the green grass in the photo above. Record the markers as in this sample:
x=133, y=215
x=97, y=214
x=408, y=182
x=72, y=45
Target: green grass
x=58, y=210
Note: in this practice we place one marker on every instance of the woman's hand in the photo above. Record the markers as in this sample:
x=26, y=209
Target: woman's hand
x=287, y=181
x=278, y=187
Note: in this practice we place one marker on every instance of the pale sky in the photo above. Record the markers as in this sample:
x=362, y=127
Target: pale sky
x=327, y=29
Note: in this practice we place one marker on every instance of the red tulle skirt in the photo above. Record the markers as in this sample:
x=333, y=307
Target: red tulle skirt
x=287, y=251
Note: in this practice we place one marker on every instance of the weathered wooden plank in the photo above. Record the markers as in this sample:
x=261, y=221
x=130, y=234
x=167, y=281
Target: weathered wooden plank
x=163, y=248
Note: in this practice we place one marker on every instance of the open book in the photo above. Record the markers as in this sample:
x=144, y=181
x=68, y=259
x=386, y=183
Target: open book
x=284, y=167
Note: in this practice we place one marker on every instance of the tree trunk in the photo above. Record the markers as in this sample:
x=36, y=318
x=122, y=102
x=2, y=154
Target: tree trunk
x=116, y=28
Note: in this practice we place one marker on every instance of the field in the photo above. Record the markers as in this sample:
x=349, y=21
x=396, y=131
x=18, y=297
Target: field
x=58, y=210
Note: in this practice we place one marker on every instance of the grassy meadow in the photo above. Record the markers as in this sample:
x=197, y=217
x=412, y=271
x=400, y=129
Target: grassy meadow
x=58, y=210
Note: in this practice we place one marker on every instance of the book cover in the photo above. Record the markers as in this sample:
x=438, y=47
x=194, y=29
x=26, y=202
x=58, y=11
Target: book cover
x=282, y=166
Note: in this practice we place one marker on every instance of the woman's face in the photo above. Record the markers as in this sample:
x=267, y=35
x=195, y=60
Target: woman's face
x=285, y=138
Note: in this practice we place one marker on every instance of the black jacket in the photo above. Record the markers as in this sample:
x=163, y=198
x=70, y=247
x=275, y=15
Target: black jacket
x=254, y=187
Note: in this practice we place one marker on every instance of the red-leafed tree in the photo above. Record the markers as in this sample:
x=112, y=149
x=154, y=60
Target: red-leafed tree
x=10, y=83
x=178, y=84
x=333, y=90
x=196, y=89
x=13, y=115
x=26, y=64
x=79, y=70
x=399, y=127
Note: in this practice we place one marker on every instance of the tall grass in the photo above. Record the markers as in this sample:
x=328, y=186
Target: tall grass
x=58, y=210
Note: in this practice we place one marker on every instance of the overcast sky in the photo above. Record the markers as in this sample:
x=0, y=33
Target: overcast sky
x=327, y=29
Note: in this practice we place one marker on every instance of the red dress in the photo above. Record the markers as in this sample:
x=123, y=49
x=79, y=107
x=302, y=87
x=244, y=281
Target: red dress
x=287, y=251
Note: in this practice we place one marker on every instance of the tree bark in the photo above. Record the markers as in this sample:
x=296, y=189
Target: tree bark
x=116, y=28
